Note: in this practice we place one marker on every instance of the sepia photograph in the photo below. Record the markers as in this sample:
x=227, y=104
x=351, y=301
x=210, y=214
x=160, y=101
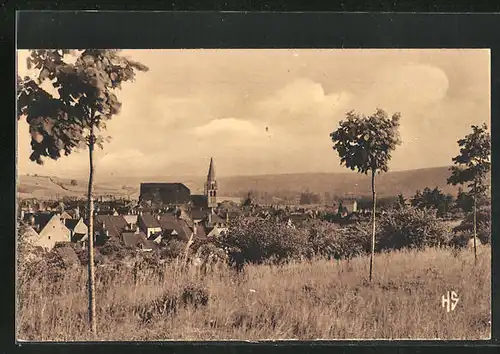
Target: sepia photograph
x=253, y=194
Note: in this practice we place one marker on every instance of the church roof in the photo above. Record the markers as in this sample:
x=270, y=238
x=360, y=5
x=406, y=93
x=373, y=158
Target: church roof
x=211, y=171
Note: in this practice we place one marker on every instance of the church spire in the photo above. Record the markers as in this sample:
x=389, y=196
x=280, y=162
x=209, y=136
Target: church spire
x=211, y=171
x=211, y=186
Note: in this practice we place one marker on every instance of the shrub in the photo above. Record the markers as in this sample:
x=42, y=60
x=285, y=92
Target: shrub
x=262, y=240
x=74, y=182
x=331, y=241
x=411, y=228
x=113, y=247
x=483, y=218
x=173, y=249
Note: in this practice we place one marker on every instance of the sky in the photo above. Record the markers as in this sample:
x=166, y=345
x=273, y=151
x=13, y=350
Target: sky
x=271, y=111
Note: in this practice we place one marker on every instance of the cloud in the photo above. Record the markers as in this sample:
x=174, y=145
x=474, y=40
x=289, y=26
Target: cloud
x=194, y=104
x=303, y=108
x=226, y=126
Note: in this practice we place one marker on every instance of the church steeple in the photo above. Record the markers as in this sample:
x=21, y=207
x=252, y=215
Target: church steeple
x=211, y=186
x=211, y=171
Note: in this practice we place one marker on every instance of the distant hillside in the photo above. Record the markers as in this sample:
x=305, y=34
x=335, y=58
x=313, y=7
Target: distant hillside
x=339, y=184
x=343, y=184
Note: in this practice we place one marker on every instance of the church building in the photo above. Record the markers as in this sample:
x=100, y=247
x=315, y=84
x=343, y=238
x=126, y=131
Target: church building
x=177, y=194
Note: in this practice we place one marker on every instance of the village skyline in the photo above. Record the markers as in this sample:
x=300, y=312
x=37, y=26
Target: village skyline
x=259, y=112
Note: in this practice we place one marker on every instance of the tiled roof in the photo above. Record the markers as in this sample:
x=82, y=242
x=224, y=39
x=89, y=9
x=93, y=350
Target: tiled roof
x=132, y=239
x=131, y=219
x=199, y=200
x=40, y=218
x=170, y=223
x=71, y=223
x=149, y=220
x=216, y=219
x=198, y=214
x=114, y=224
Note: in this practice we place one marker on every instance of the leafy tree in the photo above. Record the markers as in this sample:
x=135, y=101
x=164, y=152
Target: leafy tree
x=402, y=202
x=432, y=199
x=365, y=144
x=464, y=201
x=76, y=114
x=472, y=166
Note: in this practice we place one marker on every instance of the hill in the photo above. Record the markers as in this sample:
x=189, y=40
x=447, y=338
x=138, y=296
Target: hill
x=339, y=184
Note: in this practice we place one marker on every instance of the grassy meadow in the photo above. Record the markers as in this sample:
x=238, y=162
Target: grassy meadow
x=304, y=301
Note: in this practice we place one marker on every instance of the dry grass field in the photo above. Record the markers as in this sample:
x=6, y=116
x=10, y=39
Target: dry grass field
x=304, y=301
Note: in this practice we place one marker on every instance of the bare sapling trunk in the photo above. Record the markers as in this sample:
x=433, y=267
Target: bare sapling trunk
x=374, y=201
x=475, y=226
x=91, y=271
x=188, y=244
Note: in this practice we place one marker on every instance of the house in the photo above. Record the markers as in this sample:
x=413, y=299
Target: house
x=149, y=224
x=214, y=220
x=174, y=227
x=78, y=229
x=109, y=226
x=139, y=240
x=52, y=232
x=131, y=220
x=215, y=231
x=198, y=214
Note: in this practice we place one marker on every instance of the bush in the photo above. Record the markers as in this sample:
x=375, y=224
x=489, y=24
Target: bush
x=411, y=228
x=330, y=241
x=173, y=249
x=483, y=218
x=74, y=182
x=113, y=247
x=265, y=240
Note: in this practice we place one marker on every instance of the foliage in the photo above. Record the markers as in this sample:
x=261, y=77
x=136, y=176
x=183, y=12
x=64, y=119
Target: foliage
x=116, y=249
x=365, y=143
x=261, y=240
x=303, y=301
x=464, y=201
x=432, y=199
x=74, y=182
x=172, y=249
x=330, y=241
x=411, y=228
x=473, y=162
x=401, y=202
x=483, y=219
x=85, y=97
